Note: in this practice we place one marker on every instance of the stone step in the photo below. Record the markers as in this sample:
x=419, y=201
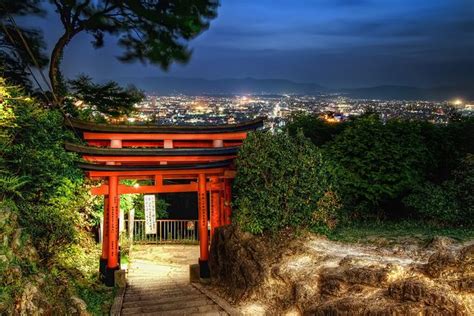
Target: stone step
x=198, y=310
x=159, y=291
x=133, y=297
x=132, y=281
x=169, y=307
x=160, y=300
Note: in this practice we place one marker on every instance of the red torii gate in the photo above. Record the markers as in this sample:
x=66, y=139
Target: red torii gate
x=202, y=155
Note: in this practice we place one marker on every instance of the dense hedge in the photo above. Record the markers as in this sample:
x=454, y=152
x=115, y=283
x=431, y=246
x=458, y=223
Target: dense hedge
x=280, y=180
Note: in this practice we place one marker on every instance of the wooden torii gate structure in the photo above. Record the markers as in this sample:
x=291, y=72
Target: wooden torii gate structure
x=201, y=157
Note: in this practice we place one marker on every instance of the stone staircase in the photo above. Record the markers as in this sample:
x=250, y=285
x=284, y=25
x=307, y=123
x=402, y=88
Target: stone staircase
x=162, y=289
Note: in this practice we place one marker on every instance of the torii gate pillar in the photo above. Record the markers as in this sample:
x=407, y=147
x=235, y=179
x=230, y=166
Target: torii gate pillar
x=113, y=260
x=105, y=239
x=204, y=272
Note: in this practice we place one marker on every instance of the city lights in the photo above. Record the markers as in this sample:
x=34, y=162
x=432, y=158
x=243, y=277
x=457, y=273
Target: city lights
x=333, y=108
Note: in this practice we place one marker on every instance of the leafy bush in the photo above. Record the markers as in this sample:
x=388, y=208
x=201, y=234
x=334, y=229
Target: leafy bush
x=279, y=181
x=435, y=203
x=374, y=163
x=451, y=202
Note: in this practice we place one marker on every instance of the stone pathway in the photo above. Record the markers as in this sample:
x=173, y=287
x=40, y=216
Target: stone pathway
x=161, y=288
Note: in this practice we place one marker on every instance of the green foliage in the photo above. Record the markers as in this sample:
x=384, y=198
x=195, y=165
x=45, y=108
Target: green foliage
x=14, y=57
x=463, y=181
x=313, y=127
x=373, y=162
x=384, y=233
x=45, y=211
x=279, y=181
x=108, y=98
x=56, y=227
x=435, y=203
x=155, y=32
x=449, y=203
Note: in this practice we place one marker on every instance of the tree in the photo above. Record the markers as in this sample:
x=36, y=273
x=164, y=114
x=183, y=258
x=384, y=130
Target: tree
x=154, y=31
x=108, y=98
x=149, y=31
x=14, y=58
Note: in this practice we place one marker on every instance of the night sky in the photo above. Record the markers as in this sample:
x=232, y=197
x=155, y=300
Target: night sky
x=336, y=43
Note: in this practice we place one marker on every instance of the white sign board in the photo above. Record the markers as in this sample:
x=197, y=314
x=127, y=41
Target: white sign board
x=150, y=214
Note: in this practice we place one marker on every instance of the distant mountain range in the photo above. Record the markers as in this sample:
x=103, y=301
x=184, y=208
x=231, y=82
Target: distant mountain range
x=411, y=93
x=199, y=86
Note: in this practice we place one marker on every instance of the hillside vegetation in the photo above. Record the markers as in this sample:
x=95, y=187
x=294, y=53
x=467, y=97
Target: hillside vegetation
x=321, y=176
x=48, y=261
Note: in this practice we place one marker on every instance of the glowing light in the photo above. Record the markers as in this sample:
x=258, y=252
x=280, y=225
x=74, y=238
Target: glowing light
x=136, y=185
x=457, y=102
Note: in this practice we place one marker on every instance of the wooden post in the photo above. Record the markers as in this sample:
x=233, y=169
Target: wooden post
x=105, y=239
x=203, y=237
x=113, y=249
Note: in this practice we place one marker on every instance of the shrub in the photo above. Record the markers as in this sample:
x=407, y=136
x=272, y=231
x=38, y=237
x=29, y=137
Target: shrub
x=279, y=181
x=434, y=203
x=375, y=163
x=451, y=202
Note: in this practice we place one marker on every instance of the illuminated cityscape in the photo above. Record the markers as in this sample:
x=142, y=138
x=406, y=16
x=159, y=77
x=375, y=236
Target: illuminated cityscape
x=183, y=109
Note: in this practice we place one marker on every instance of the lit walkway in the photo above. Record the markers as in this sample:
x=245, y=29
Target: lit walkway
x=158, y=283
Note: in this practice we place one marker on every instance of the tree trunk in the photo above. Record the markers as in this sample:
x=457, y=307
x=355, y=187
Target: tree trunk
x=54, y=71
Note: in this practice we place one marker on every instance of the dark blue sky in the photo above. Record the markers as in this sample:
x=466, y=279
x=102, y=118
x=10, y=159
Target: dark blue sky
x=336, y=43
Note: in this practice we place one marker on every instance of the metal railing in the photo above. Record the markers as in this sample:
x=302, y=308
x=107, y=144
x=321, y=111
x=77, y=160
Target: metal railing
x=167, y=231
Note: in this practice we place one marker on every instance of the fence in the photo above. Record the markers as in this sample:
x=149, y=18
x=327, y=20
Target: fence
x=167, y=231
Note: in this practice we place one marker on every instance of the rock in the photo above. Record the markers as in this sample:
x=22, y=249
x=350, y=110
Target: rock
x=79, y=305
x=27, y=302
x=467, y=254
x=365, y=306
x=319, y=277
x=369, y=275
x=120, y=278
x=440, y=263
x=236, y=260
x=440, y=243
x=16, y=239
x=417, y=290
x=332, y=284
